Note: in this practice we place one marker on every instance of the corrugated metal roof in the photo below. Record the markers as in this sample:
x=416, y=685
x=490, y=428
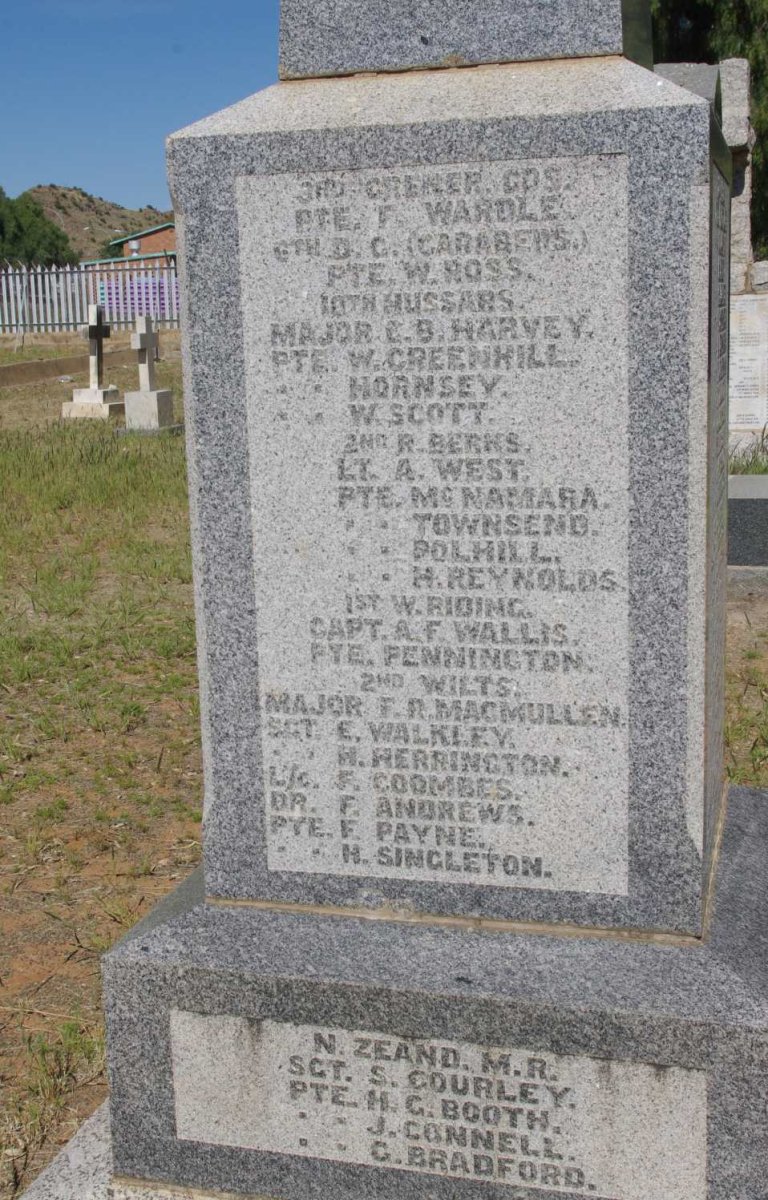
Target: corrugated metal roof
x=93, y=262
x=144, y=233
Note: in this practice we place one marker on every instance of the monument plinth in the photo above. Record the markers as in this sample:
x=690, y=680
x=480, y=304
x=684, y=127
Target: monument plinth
x=458, y=474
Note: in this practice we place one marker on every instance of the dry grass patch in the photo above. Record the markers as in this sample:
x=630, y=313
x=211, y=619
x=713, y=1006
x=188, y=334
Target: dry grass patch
x=747, y=680
x=38, y=405
x=100, y=787
x=36, y=346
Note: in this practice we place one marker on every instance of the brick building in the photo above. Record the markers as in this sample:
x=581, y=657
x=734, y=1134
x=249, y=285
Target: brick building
x=160, y=239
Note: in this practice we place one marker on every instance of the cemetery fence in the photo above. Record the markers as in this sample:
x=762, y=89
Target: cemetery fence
x=56, y=299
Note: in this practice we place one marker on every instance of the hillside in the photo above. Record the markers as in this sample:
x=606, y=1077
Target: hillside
x=89, y=221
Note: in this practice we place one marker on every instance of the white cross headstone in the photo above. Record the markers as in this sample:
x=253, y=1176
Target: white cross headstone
x=96, y=331
x=95, y=400
x=148, y=408
x=145, y=341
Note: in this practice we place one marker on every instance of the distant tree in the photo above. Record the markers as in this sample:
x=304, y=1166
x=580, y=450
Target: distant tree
x=708, y=31
x=107, y=250
x=28, y=236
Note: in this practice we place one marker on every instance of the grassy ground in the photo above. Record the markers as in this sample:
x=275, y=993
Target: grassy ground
x=51, y=345
x=37, y=406
x=100, y=787
x=100, y=783
x=65, y=345
x=36, y=345
x=750, y=457
x=11, y=354
x=747, y=679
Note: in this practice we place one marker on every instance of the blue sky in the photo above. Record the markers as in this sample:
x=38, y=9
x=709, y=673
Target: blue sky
x=89, y=89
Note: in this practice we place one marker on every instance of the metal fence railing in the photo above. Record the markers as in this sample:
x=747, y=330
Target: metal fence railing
x=56, y=299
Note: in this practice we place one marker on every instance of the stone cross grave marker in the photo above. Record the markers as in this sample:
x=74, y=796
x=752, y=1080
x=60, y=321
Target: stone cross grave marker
x=144, y=340
x=458, y=474
x=148, y=408
x=95, y=401
x=96, y=332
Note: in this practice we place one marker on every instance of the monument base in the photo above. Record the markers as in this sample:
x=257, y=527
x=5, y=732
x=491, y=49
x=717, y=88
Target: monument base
x=148, y=410
x=296, y=1055
x=748, y=520
x=93, y=404
x=83, y=1171
x=259, y=1053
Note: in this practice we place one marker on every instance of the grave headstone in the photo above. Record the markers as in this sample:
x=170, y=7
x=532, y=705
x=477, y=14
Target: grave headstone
x=749, y=310
x=740, y=136
x=149, y=408
x=749, y=367
x=458, y=476
x=759, y=277
x=701, y=78
x=727, y=88
x=95, y=401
